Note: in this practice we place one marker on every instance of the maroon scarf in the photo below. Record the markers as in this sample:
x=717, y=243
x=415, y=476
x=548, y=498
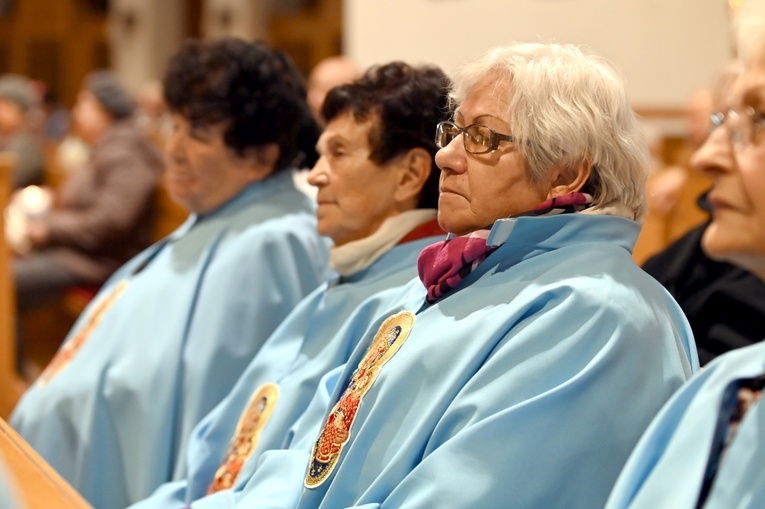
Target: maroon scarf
x=443, y=265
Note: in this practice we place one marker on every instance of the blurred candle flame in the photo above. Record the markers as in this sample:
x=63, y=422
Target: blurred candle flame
x=35, y=200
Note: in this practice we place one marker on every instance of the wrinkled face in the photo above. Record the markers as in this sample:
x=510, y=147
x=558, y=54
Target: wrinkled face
x=91, y=120
x=737, y=230
x=201, y=171
x=478, y=189
x=355, y=194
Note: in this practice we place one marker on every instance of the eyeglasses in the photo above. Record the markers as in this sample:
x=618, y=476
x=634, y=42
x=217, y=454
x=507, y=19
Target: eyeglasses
x=743, y=125
x=477, y=138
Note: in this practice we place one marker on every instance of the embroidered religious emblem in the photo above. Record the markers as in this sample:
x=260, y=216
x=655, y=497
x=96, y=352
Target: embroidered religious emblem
x=246, y=437
x=337, y=427
x=67, y=352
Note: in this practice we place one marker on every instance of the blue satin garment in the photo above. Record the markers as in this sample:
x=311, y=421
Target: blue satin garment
x=8, y=493
x=526, y=387
x=313, y=340
x=666, y=469
x=195, y=309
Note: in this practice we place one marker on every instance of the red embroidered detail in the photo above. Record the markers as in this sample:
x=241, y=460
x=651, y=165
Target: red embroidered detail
x=337, y=428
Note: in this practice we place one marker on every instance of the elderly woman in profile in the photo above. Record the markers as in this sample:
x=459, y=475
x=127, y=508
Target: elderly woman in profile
x=168, y=335
x=523, y=368
x=705, y=448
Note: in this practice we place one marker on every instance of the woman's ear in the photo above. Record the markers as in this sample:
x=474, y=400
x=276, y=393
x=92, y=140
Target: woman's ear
x=262, y=159
x=414, y=169
x=265, y=155
x=571, y=179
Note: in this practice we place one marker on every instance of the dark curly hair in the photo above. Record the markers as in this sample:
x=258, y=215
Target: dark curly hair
x=408, y=102
x=254, y=89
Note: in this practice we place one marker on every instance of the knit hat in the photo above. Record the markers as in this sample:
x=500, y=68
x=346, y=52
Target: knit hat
x=107, y=89
x=18, y=89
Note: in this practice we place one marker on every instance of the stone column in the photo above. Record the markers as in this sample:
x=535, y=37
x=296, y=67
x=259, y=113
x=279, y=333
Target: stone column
x=143, y=35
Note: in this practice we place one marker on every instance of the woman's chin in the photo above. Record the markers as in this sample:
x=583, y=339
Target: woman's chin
x=182, y=195
x=726, y=244
x=714, y=243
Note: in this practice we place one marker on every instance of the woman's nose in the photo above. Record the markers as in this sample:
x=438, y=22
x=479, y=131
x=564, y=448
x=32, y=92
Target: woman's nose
x=318, y=174
x=452, y=156
x=715, y=155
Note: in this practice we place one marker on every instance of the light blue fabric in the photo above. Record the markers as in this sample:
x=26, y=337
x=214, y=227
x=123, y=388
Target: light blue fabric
x=667, y=467
x=526, y=387
x=8, y=496
x=197, y=308
x=311, y=341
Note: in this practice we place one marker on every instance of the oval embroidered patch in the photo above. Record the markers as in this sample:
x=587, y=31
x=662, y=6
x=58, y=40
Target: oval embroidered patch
x=337, y=427
x=246, y=437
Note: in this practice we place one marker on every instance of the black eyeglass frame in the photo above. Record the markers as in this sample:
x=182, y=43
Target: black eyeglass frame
x=494, y=137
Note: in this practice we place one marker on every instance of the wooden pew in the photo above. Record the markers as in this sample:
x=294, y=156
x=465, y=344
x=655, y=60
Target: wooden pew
x=36, y=483
x=12, y=385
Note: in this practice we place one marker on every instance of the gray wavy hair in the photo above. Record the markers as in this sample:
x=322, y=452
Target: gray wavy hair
x=566, y=107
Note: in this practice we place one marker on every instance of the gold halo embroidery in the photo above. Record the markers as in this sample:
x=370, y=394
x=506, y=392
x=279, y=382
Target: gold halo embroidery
x=337, y=427
x=67, y=352
x=246, y=437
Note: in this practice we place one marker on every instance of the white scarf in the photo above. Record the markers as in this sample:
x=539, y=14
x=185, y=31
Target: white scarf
x=359, y=254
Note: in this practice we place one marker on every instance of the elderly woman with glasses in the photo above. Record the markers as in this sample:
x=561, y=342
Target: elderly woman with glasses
x=523, y=367
x=705, y=448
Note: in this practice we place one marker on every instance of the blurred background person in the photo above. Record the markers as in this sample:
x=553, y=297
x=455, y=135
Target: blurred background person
x=152, y=117
x=100, y=217
x=665, y=184
x=672, y=188
x=169, y=334
x=56, y=118
x=324, y=76
x=18, y=105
